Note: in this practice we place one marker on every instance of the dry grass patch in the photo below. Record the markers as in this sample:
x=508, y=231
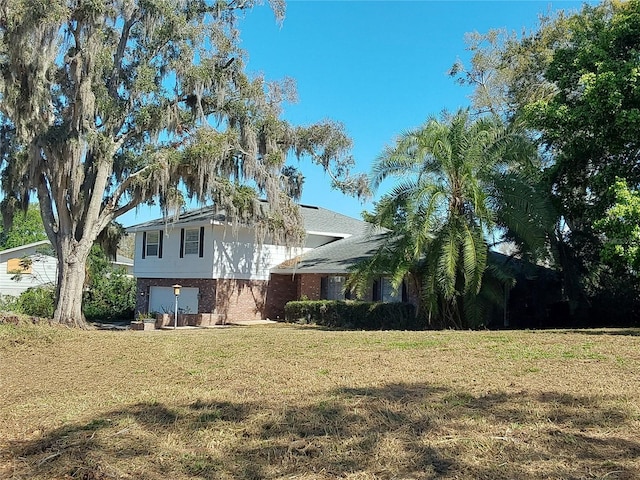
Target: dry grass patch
x=290, y=402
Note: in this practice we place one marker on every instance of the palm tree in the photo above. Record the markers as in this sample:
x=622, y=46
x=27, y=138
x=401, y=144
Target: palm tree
x=459, y=181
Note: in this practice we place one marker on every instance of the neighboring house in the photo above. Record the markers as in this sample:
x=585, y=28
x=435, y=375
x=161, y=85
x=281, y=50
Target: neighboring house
x=225, y=271
x=123, y=262
x=27, y=266
x=34, y=265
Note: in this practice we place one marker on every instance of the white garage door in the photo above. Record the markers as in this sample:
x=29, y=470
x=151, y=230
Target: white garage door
x=162, y=300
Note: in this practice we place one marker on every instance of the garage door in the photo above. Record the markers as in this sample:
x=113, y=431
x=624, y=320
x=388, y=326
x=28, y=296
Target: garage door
x=162, y=300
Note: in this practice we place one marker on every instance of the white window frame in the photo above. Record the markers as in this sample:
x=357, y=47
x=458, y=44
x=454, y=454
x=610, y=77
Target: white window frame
x=152, y=243
x=191, y=245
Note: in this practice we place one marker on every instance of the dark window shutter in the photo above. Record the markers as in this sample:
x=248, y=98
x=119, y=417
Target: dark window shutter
x=324, y=288
x=376, y=291
x=182, y=243
x=144, y=244
x=160, y=237
x=201, y=253
x=405, y=295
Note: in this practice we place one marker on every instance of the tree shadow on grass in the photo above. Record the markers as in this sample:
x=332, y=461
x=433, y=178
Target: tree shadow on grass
x=409, y=431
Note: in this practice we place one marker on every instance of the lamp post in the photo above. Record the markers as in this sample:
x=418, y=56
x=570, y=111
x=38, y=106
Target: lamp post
x=176, y=292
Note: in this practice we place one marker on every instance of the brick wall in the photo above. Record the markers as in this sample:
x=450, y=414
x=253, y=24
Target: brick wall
x=281, y=289
x=241, y=299
x=310, y=286
x=206, y=291
x=229, y=300
x=233, y=300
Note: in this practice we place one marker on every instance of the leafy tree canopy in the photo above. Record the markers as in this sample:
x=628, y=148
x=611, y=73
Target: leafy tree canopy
x=592, y=121
x=621, y=228
x=26, y=228
x=574, y=83
x=109, y=104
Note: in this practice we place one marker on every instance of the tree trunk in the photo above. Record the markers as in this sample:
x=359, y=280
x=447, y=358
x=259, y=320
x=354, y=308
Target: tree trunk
x=579, y=305
x=72, y=260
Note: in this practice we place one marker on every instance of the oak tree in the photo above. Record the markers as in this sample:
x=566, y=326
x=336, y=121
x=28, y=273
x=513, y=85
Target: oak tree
x=574, y=83
x=105, y=105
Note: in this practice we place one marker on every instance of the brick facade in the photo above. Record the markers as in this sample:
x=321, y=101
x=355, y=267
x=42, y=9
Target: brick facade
x=310, y=286
x=206, y=291
x=241, y=299
x=232, y=300
x=281, y=289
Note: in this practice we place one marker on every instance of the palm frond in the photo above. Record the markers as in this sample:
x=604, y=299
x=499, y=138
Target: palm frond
x=454, y=186
x=449, y=253
x=474, y=260
x=524, y=211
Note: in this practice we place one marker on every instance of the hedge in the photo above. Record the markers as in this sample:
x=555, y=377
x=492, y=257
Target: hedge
x=353, y=314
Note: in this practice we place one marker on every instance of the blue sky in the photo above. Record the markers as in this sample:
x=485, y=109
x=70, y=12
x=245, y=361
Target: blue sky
x=378, y=67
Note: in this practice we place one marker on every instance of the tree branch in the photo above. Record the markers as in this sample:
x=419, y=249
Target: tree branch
x=119, y=55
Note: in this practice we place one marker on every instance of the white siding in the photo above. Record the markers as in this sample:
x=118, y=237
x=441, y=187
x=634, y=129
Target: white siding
x=227, y=253
x=240, y=257
x=171, y=265
x=43, y=268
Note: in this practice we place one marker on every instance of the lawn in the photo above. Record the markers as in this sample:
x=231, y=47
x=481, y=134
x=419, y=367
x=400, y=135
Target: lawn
x=295, y=402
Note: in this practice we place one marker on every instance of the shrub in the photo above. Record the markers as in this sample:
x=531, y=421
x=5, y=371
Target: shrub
x=37, y=301
x=110, y=294
x=110, y=297
x=353, y=314
x=8, y=303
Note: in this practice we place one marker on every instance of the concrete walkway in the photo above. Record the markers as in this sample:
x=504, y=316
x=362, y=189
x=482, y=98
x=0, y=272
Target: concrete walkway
x=240, y=323
x=252, y=322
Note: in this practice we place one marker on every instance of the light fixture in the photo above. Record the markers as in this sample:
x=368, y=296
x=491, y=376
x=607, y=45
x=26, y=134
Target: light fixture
x=176, y=292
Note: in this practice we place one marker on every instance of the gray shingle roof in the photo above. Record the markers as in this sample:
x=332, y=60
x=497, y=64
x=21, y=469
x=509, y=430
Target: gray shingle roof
x=335, y=257
x=316, y=219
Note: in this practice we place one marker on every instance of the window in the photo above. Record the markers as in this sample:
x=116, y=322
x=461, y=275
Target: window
x=191, y=241
x=387, y=294
x=153, y=244
x=383, y=291
x=333, y=288
x=19, y=265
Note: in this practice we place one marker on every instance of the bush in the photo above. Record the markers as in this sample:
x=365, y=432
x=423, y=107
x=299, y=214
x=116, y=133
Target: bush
x=110, y=294
x=354, y=315
x=110, y=297
x=8, y=303
x=37, y=302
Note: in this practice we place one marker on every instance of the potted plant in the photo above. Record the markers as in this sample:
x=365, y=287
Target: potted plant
x=145, y=321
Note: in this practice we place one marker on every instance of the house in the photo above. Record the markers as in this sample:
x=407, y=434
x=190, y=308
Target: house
x=34, y=265
x=124, y=263
x=226, y=273
x=27, y=266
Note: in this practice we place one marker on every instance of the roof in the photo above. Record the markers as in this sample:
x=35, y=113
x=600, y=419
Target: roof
x=317, y=220
x=335, y=257
x=24, y=247
x=122, y=260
